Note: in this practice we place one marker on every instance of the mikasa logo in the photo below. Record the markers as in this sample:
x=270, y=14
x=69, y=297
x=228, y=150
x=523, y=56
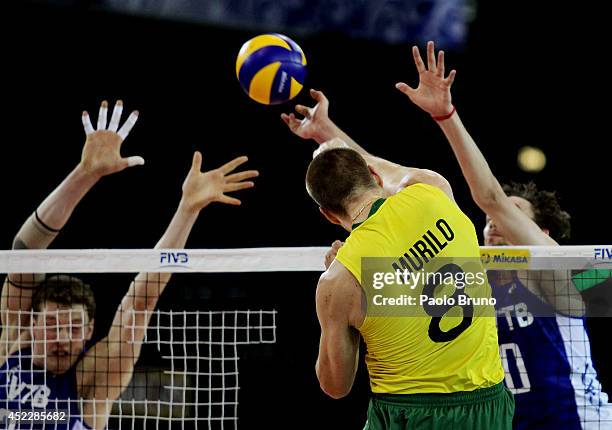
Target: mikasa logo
x=503, y=258
x=507, y=258
x=283, y=80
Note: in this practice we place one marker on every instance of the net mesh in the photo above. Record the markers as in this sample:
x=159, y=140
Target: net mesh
x=149, y=368
x=173, y=363
x=199, y=382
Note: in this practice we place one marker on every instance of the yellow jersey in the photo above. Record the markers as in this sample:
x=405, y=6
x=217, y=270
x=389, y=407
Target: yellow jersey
x=422, y=354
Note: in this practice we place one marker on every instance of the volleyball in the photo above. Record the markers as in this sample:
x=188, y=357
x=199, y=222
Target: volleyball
x=271, y=68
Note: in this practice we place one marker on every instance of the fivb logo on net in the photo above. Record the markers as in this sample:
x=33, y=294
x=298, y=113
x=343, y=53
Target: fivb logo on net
x=173, y=259
x=603, y=256
x=604, y=253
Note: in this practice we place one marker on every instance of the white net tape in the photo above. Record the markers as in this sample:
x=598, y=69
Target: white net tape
x=270, y=259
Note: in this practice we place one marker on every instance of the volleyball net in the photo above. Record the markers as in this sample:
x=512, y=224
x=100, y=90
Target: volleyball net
x=83, y=341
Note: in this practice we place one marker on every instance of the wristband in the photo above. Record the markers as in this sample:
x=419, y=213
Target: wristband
x=447, y=116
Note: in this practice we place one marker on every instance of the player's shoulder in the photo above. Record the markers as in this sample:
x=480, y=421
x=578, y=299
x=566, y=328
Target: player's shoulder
x=337, y=282
x=429, y=192
x=336, y=274
x=426, y=179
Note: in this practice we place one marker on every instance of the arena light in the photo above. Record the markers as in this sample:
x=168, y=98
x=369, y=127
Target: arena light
x=531, y=159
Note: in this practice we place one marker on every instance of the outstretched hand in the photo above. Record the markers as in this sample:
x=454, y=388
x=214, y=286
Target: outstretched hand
x=203, y=188
x=433, y=93
x=101, y=154
x=315, y=121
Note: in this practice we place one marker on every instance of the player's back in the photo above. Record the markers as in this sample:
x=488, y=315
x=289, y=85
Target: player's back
x=420, y=353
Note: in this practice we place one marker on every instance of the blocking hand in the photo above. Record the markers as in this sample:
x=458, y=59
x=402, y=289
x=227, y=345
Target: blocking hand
x=101, y=154
x=203, y=188
x=433, y=93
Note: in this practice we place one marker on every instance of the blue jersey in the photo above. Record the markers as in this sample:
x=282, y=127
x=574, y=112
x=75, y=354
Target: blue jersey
x=27, y=388
x=547, y=362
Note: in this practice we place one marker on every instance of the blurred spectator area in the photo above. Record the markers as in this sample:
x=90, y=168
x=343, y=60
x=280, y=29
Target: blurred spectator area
x=391, y=21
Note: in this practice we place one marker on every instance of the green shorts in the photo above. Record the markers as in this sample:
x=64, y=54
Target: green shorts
x=486, y=409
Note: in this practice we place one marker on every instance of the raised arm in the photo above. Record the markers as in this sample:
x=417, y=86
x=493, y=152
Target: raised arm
x=100, y=157
x=434, y=97
x=107, y=368
x=317, y=125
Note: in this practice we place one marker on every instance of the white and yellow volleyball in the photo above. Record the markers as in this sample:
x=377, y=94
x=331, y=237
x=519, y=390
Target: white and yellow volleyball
x=271, y=68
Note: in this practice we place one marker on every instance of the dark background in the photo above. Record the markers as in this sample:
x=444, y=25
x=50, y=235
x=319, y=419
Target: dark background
x=527, y=76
